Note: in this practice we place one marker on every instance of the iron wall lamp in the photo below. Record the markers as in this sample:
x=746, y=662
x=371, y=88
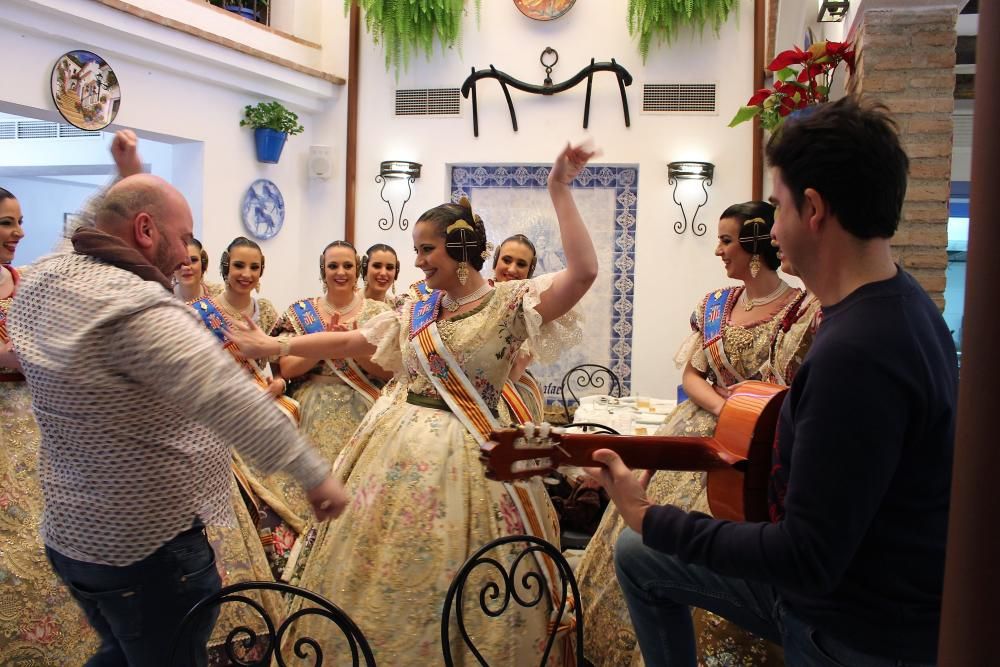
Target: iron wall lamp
x=391, y=170
x=685, y=171
x=832, y=11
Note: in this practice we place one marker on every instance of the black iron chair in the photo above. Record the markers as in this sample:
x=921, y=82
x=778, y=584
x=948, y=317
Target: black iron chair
x=587, y=376
x=505, y=585
x=242, y=641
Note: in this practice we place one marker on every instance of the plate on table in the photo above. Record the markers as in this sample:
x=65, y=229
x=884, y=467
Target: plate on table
x=263, y=209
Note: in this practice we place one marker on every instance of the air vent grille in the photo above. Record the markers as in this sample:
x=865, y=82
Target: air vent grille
x=40, y=129
x=429, y=102
x=678, y=98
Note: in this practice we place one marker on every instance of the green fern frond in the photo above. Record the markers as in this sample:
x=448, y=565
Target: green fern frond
x=663, y=19
x=404, y=27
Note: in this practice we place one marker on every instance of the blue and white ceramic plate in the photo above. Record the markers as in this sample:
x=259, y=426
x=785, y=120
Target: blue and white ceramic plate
x=263, y=209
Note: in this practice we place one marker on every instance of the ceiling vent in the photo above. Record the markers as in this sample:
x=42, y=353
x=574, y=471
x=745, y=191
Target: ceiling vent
x=687, y=98
x=438, y=102
x=40, y=129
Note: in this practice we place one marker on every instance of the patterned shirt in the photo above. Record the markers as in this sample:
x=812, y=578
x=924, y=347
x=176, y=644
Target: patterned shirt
x=137, y=404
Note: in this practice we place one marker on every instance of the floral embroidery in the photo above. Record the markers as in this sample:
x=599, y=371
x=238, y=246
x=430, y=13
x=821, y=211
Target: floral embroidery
x=43, y=631
x=284, y=539
x=510, y=516
x=438, y=366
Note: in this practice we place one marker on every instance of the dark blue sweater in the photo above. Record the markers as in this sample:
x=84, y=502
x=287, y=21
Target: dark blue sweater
x=861, y=481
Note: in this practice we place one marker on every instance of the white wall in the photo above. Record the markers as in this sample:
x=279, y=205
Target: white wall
x=672, y=271
x=215, y=160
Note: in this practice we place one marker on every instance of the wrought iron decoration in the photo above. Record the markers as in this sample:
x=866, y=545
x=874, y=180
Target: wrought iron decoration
x=547, y=88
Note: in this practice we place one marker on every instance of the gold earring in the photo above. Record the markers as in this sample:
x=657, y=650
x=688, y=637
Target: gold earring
x=463, y=272
x=754, y=265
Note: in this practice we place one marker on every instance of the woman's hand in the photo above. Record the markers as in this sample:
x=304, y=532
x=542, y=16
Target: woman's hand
x=276, y=387
x=335, y=324
x=253, y=343
x=570, y=163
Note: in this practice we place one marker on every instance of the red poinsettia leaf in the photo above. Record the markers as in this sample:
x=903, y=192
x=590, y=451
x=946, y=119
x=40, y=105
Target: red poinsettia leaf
x=803, y=103
x=795, y=56
x=836, y=48
x=849, y=59
x=759, y=97
x=784, y=111
x=787, y=103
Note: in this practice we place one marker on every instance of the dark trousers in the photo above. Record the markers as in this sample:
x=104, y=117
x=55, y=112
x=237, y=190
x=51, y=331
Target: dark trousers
x=659, y=589
x=136, y=609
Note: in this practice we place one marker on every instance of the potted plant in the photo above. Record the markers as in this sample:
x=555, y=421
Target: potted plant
x=272, y=123
x=664, y=19
x=245, y=8
x=793, y=89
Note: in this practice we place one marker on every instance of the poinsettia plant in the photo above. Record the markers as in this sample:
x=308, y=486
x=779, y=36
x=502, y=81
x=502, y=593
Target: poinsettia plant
x=796, y=88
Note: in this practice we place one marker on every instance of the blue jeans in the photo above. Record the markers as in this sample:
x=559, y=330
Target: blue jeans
x=136, y=609
x=659, y=589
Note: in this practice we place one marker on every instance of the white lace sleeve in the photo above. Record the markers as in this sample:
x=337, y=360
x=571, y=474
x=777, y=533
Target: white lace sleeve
x=548, y=341
x=382, y=331
x=688, y=350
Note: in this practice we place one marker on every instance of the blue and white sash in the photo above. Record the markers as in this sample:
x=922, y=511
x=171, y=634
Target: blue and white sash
x=346, y=369
x=716, y=311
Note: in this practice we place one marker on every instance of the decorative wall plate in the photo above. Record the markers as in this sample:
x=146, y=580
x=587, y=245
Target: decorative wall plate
x=263, y=209
x=544, y=10
x=85, y=90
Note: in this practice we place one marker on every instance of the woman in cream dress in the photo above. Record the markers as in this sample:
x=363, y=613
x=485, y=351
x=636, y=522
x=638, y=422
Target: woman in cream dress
x=334, y=394
x=40, y=624
x=733, y=346
x=421, y=502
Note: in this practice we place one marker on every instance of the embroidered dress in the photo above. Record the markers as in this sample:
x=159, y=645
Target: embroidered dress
x=421, y=503
x=331, y=408
x=40, y=624
x=720, y=348
x=240, y=550
x=793, y=339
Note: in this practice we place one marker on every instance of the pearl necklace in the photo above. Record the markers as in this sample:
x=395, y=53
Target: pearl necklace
x=340, y=311
x=454, y=304
x=749, y=304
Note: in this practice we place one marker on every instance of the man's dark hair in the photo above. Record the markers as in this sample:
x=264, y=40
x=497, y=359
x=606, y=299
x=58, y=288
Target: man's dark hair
x=849, y=152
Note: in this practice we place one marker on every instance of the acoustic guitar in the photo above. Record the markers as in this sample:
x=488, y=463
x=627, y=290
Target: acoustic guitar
x=737, y=457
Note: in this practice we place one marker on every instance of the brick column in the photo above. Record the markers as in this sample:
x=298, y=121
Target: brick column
x=906, y=60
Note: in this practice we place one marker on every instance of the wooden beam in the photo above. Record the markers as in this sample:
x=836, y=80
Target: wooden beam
x=757, y=160
x=353, y=89
x=971, y=584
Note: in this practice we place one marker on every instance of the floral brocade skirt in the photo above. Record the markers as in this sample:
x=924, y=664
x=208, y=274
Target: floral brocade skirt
x=40, y=623
x=421, y=506
x=610, y=639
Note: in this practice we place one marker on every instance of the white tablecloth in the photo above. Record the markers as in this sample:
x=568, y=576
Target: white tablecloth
x=633, y=415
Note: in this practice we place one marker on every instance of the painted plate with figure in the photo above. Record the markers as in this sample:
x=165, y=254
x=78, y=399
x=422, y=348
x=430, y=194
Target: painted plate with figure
x=544, y=10
x=85, y=90
x=263, y=209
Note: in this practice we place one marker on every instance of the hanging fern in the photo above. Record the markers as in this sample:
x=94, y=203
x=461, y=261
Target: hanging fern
x=404, y=27
x=663, y=19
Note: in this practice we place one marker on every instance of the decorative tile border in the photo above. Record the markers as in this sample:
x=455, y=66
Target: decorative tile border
x=465, y=179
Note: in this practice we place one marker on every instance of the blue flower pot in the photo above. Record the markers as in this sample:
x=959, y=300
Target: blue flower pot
x=245, y=12
x=269, y=144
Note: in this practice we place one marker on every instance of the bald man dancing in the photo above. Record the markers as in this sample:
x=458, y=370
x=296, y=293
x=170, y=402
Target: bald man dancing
x=137, y=406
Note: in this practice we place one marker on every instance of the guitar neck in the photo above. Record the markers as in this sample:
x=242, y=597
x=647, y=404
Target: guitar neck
x=650, y=452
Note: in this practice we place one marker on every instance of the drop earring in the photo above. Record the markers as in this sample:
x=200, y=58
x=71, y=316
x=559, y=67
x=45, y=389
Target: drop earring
x=755, y=265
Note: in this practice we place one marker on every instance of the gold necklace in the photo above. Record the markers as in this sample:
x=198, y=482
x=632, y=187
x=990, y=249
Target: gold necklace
x=233, y=310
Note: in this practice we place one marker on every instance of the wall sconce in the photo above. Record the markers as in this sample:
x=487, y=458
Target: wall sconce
x=685, y=171
x=396, y=170
x=832, y=11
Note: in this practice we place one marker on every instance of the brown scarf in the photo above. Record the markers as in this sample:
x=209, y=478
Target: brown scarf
x=111, y=249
